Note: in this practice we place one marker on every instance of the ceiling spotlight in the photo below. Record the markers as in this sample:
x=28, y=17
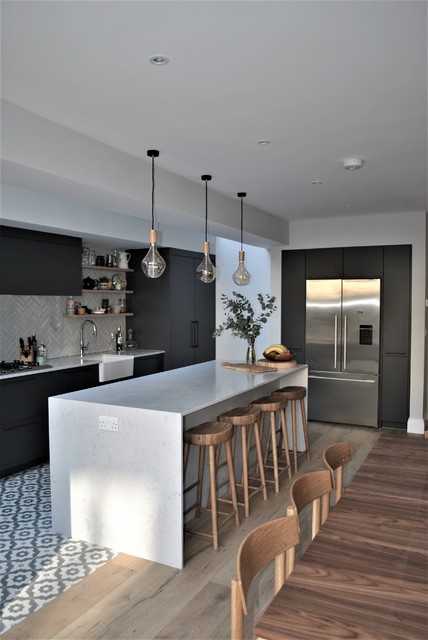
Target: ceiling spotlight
x=352, y=164
x=316, y=182
x=159, y=61
x=263, y=143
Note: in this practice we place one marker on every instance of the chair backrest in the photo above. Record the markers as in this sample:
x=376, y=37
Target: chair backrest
x=314, y=487
x=335, y=456
x=275, y=539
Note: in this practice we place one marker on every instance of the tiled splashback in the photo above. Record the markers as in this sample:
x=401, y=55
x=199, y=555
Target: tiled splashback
x=20, y=316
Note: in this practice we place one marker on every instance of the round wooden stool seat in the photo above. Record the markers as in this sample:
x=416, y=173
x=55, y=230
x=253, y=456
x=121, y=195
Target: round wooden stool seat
x=209, y=434
x=247, y=420
x=277, y=438
x=269, y=403
x=294, y=395
x=241, y=416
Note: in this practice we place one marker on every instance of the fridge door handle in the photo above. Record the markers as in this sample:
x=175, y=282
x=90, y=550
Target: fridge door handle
x=335, y=341
x=345, y=338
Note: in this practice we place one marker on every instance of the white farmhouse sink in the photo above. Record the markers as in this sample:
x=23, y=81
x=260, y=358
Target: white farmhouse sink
x=112, y=366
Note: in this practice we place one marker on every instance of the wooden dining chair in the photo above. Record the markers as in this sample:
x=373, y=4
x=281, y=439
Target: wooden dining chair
x=335, y=457
x=314, y=487
x=275, y=539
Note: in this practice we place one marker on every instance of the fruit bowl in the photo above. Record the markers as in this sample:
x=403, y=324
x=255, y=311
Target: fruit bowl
x=279, y=357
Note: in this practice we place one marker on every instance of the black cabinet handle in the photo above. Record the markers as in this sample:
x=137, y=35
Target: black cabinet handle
x=194, y=334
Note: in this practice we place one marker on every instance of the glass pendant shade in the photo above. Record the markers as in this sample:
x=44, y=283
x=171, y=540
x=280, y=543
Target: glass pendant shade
x=206, y=270
x=153, y=265
x=241, y=276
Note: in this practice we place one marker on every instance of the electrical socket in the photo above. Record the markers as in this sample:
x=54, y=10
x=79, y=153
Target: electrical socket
x=108, y=423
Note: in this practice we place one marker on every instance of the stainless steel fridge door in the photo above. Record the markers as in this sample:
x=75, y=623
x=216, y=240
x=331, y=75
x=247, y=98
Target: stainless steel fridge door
x=323, y=324
x=360, y=326
x=343, y=398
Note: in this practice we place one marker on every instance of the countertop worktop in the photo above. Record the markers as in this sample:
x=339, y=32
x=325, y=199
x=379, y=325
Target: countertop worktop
x=71, y=362
x=181, y=391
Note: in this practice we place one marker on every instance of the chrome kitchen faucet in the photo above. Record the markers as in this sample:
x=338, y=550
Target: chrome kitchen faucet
x=83, y=346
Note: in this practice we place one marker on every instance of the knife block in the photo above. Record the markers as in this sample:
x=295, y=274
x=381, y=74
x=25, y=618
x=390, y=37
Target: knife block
x=24, y=358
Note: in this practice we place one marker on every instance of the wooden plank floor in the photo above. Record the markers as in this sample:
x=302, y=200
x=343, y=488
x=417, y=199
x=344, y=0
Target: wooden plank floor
x=133, y=598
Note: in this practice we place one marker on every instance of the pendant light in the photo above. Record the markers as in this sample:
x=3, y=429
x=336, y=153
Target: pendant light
x=153, y=265
x=206, y=270
x=241, y=276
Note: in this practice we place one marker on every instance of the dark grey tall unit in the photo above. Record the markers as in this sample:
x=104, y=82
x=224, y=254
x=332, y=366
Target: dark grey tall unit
x=175, y=312
x=392, y=264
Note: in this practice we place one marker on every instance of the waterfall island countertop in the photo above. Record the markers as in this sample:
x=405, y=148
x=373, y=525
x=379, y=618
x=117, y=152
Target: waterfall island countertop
x=123, y=488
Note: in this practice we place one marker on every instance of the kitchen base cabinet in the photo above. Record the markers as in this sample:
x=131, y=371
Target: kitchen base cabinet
x=23, y=444
x=148, y=365
x=176, y=312
x=70, y=380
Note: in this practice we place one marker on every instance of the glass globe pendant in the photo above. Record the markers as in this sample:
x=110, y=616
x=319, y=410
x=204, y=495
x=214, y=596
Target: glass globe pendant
x=241, y=277
x=153, y=265
x=206, y=271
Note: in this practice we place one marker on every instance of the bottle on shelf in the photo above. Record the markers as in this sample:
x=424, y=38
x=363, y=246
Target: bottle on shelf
x=130, y=342
x=119, y=340
x=71, y=307
x=112, y=342
x=34, y=346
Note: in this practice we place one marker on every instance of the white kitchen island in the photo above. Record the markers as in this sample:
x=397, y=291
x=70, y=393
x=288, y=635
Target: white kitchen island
x=123, y=489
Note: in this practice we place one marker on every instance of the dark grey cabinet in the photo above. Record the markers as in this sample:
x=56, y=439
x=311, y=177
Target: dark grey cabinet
x=176, y=312
x=36, y=263
x=147, y=365
x=392, y=264
x=24, y=424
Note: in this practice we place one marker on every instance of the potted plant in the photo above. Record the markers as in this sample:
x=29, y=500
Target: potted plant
x=242, y=320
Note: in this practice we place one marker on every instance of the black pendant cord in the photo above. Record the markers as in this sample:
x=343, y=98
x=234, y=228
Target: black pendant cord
x=206, y=211
x=153, y=192
x=242, y=196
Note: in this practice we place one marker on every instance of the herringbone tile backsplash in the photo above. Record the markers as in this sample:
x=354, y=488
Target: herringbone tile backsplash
x=20, y=316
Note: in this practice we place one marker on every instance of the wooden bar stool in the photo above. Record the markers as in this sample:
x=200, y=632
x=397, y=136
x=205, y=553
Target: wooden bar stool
x=247, y=420
x=211, y=435
x=292, y=394
x=269, y=405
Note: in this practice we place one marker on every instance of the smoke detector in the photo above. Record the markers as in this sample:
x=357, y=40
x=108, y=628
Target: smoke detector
x=352, y=164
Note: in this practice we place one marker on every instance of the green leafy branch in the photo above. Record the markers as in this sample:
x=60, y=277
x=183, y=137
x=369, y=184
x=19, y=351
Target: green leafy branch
x=241, y=319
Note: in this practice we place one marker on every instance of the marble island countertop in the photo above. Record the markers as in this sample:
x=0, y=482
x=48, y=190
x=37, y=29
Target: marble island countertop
x=71, y=362
x=181, y=391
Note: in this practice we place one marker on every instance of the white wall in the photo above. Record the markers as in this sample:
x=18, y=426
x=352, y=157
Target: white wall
x=405, y=228
x=257, y=261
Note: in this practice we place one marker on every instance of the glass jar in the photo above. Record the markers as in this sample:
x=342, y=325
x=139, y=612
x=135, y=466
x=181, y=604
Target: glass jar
x=85, y=257
x=92, y=257
x=122, y=302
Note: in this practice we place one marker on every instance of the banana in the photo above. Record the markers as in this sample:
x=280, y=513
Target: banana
x=279, y=348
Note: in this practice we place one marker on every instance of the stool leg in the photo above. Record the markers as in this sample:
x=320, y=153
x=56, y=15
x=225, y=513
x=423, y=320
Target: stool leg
x=293, y=428
x=274, y=450
x=285, y=440
x=232, y=481
x=245, y=471
x=201, y=480
x=213, y=495
x=305, y=428
x=260, y=458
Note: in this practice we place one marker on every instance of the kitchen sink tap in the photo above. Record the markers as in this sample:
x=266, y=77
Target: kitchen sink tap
x=83, y=346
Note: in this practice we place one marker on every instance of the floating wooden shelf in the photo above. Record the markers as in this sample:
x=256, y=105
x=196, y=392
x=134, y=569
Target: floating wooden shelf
x=100, y=267
x=96, y=315
x=106, y=291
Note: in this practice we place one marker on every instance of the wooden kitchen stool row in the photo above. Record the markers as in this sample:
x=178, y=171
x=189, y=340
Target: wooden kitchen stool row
x=265, y=457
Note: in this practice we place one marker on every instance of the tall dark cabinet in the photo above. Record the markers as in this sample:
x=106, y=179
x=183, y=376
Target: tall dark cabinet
x=392, y=264
x=175, y=312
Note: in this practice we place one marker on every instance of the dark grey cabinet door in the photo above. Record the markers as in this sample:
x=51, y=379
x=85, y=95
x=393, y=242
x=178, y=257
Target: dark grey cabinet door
x=363, y=262
x=395, y=382
x=76, y=379
x=293, y=302
x=396, y=300
x=324, y=263
x=204, y=319
x=148, y=365
x=36, y=263
x=183, y=328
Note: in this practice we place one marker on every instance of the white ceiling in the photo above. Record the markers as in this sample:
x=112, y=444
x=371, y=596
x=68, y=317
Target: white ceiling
x=322, y=80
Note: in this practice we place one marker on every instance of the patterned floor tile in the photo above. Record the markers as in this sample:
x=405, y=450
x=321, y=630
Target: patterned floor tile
x=36, y=564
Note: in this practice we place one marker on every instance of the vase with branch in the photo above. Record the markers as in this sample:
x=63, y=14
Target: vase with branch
x=243, y=321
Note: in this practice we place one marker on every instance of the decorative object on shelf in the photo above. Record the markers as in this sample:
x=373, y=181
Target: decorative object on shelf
x=242, y=321
x=89, y=283
x=122, y=259
x=119, y=282
x=206, y=271
x=153, y=265
x=103, y=283
x=241, y=276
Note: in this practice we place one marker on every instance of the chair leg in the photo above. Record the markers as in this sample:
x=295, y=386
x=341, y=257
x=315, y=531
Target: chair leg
x=237, y=613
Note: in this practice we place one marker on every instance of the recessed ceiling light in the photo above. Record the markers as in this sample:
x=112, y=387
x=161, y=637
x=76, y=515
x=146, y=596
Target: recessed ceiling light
x=349, y=206
x=316, y=182
x=352, y=164
x=159, y=61
x=263, y=142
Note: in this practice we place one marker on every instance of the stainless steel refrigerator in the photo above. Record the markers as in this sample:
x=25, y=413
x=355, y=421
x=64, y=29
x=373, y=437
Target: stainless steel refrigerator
x=342, y=350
